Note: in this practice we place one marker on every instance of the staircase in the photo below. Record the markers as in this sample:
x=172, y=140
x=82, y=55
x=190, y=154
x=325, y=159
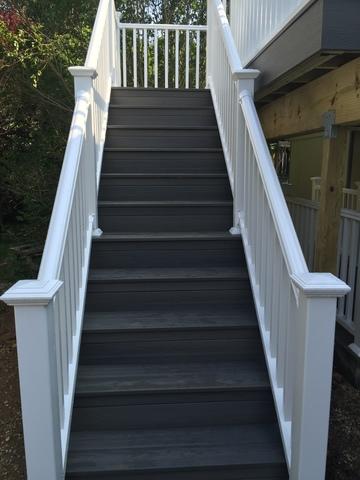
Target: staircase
x=172, y=382
x=155, y=350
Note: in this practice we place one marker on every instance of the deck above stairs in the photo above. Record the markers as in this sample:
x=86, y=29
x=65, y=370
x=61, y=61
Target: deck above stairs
x=172, y=382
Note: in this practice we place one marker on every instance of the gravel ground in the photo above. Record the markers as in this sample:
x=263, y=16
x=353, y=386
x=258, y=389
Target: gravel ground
x=344, y=440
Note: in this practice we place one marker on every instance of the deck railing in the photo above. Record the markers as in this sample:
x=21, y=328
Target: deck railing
x=350, y=196
x=304, y=214
x=49, y=310
x=256, y=23
x=296, y=309
x=159, y=55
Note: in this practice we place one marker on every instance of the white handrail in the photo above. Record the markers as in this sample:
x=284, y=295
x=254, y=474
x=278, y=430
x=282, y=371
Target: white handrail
x=93, y=52
x=296, y=309
x=162, y=26
x=290, y=245
x=49, y=310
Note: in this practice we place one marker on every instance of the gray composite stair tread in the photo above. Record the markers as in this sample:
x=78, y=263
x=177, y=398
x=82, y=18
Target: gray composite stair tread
x=164, y=175
x=172, y=377
x=162, y=107
x=169, y=274
x=164, y=149
x=167, y=236
x=176, y=448
x=162, y=127
x=164, y=203
x=178, y=318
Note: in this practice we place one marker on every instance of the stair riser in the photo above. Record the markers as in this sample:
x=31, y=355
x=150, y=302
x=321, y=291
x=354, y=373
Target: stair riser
x=243, y=473
x=162, y=116
x=159, y=138
x=191, y=335
x=158, y=414
x=100, y=301
x=115, y=254
x=121, y=219
x=163, y=162
x=111, y=295
x=152, y=189
x=174, y=351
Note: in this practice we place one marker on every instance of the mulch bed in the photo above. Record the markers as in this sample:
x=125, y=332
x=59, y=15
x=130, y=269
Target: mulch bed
x=344, y=439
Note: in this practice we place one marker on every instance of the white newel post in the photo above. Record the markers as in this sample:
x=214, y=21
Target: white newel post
x=83, y=86
x=36, y=346
x=245, y=85
x=314, y=334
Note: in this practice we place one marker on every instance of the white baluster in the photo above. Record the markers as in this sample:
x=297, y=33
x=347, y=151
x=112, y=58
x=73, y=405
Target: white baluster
x=197, y=74
x=134, y=57
x=124, y=58
x=166, y=59
x=187, y=53
x=156, y=58
x=145, y=59
x=177, y=59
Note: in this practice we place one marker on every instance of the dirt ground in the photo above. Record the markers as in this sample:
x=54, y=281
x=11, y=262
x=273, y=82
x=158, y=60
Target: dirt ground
x=12, y=461
x=344, y=439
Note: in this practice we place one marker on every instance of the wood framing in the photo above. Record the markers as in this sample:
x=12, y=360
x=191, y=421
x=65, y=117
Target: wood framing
x=332, y=183
x=301, y=111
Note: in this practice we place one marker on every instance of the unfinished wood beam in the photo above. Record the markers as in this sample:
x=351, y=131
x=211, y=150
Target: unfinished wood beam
x=301, y=111
x=332, y=183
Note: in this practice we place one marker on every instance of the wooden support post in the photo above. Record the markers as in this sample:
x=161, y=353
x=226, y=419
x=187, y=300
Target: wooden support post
x=332, y=183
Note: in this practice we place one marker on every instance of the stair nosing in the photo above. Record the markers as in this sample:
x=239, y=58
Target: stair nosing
x=165, y=149
x=164, y=203
x=161, y=127
x=145, y=237
x=164, y=175
x=158, y=107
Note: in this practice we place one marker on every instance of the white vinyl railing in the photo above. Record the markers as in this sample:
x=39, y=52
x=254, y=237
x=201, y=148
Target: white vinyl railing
x=255, y=23
x=49, y=310
x=350, y=196
x=296, y=309
x=161, y=55
x=304, y=214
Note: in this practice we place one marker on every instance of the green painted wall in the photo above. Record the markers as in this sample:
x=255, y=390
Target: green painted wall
x=306, y=157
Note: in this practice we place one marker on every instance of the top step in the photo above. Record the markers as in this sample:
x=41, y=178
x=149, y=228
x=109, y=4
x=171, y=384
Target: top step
x=172, y=97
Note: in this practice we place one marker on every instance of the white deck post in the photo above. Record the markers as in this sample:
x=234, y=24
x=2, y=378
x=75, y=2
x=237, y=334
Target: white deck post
x=34, y=301
x=314, y=333
x=245, y=81
x=83, y=85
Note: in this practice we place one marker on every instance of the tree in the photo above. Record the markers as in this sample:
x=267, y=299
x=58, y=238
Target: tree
x=39, y=40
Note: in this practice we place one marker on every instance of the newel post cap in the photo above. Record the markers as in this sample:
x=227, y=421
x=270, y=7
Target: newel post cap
x=89, y=72
x=32, y=292
x=246, y=74
x=324, y=285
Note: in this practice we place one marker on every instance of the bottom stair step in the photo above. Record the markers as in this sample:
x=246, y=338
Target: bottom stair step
x=221, y=453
